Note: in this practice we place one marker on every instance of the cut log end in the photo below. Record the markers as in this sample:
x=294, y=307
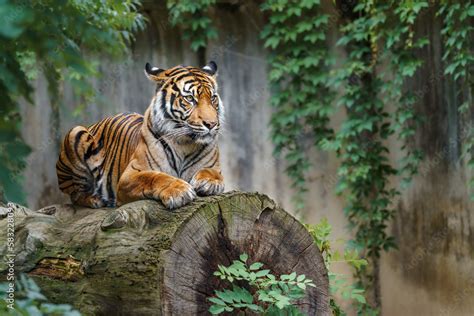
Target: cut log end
x=144, y=259
x=219, y=233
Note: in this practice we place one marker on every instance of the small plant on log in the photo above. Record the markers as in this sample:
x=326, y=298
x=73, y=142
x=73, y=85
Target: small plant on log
x=262, y=292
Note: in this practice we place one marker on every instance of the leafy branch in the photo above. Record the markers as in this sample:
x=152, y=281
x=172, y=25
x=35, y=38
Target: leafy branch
x=339, y=284
x=263, y=292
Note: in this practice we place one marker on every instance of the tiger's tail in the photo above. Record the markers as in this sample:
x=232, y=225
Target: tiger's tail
x=78, y=167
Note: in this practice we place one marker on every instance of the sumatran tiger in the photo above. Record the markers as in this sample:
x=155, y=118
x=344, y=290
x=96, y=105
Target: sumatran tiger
x=170, y=154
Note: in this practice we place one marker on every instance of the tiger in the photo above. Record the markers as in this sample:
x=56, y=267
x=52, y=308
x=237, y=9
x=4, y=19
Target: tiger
x=170, y=154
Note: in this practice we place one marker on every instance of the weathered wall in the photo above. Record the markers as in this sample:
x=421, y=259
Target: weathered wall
x=433, y=273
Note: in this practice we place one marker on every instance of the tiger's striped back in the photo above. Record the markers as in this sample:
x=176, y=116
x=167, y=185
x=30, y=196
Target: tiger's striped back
x=92, y=159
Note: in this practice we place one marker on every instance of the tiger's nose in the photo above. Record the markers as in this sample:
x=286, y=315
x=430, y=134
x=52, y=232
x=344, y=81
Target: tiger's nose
x=209, y=124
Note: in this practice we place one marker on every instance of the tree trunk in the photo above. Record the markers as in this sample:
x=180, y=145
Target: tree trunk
x=141, y=259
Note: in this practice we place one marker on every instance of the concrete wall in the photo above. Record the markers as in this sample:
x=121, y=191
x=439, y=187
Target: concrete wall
x=432, y=273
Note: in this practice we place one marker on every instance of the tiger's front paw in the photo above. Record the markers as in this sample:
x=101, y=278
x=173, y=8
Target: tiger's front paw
x=177, y=194
x=208, y=182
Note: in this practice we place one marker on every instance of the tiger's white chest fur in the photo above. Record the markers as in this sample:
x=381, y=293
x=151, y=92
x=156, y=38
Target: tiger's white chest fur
x=177, y=158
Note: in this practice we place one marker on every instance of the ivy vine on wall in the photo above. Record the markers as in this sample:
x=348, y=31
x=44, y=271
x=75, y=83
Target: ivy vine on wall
x=299, y=62
x=373, y=33
x=192, y=17
x=458, y=34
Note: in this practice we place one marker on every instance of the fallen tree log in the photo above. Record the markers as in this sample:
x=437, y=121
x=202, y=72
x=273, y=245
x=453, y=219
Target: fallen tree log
x=141, y=259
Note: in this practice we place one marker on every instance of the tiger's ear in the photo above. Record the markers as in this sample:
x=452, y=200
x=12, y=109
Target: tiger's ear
x=210, y=68
x=154, y=73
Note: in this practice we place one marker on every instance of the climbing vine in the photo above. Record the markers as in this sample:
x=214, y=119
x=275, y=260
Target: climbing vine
x=299, y=62
x=196, y=25
x=401, y=47
x=374, y=33
x=458, y=33
x=364, y=171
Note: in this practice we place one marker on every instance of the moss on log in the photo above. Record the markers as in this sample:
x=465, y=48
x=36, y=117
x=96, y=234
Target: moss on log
x=141, y=259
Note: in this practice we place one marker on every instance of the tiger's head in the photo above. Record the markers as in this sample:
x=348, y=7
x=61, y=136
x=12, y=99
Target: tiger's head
x=186, y=105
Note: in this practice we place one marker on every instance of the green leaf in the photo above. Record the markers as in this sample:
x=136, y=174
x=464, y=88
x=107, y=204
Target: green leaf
x=470, y=11
x=216, y=309
x=217, y=301
x=255, y=307
x=301, y=286
x=242, y=294
x=358, y=297
x=262, y=273
x=292, y=276
x=256, y=266
x=226, y=296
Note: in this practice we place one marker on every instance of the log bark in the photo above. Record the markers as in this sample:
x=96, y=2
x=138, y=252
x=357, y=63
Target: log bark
x=141, y=259
x=2, y=197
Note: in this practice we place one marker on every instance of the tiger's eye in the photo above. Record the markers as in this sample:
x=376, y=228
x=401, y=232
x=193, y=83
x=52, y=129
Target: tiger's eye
x=189, y=98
